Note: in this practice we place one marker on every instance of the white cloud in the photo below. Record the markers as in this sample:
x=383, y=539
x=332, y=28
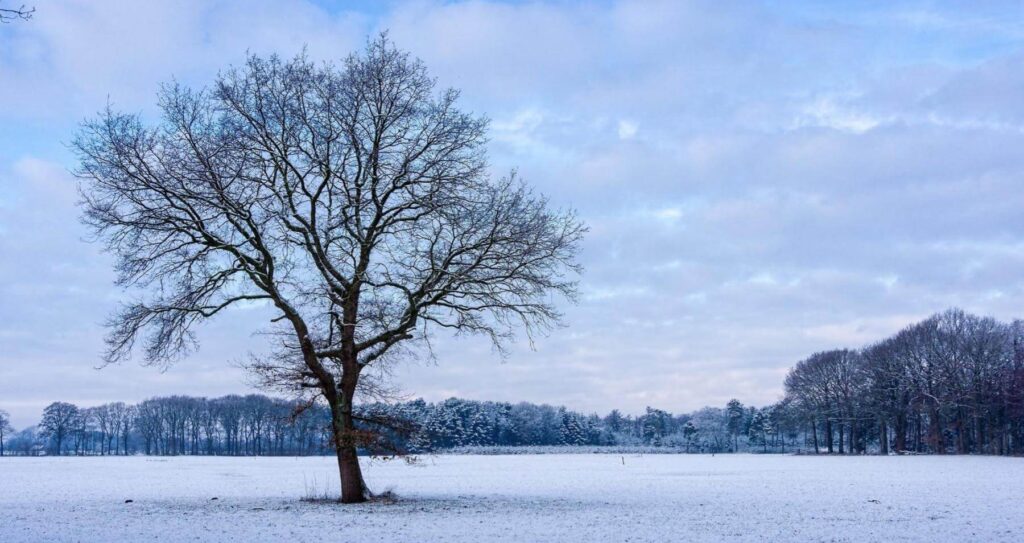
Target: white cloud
x=825, y=112
x=667, y=214
x=627, y=129
x=804, y=178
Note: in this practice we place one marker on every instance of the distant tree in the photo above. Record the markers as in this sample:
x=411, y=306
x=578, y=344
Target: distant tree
x=123, y=424
x=712, y=427
x=420, y=441
x=571, y=431
x=844, y=372
x=508, y=430
x=689, y=434
x=655, y=426
x=614, y=421
x=82, y=427
x=104, y=420
x=951, y=382
x=735, y=412
x=445, y=426
x=785, y=421
x=5, y=429
x=149, y=420
x=811, y=384
x=25, y=442
x=60, y=420
x=356, y=202
x=479, y=429
x=758, y=429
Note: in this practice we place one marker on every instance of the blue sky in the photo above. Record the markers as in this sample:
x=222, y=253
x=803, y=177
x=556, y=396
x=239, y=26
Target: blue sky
x=762, y=180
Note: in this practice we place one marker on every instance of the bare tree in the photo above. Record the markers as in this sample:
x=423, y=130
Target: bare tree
x=354, y=200
x=124, y=422
x=20, y=13
x=951, y=382
x=5, y=429
x=810, y=384
x=60, y=420
x=890, y=392
x=103, y=416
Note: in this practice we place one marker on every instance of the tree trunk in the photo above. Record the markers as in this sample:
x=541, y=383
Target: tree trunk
x=961, y=438
x=917, y=433
x=900, y=429
x=814, y=432
x=981, y=446
x=828, y=435
x=854, y=445
x=353, y=488
x=883, y=438
x=936, y=431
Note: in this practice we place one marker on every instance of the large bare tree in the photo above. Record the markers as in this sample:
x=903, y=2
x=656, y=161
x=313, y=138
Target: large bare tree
x=354, y=200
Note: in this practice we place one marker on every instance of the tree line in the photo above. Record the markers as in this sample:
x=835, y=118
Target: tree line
x=178, y=425
x=258, y=425
x=952, y=383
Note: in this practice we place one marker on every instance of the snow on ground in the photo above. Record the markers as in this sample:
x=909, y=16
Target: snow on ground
x=521, y=498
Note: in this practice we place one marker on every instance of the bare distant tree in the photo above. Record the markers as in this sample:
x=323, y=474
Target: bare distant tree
x=21, y=13
x=124, y=422
x=950, y=383
x=354, y=200
x=5, y=429
x=59, y=421
x=811, y=384
x=102, y=416
x=890, y=392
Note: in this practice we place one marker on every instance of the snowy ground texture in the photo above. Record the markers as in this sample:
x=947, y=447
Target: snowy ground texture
x=518, y=498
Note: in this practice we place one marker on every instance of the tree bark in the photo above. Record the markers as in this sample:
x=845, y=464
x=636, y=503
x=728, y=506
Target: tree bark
x=900, y=429
x=828, y=435
x=883, y=438
x=936, y=431
x=961, y=438
x=353, y=487
x=814, y=432
x=981, y=447
x=854, y=445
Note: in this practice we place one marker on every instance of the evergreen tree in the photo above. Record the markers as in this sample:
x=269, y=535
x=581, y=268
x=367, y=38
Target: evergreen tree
x=735, y=413
x=689, y=433
x=571, y=432
x=479, y=429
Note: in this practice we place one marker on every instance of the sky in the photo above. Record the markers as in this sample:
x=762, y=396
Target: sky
x=762, y=180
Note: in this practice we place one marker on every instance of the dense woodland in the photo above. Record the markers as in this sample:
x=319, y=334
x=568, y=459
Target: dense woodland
x=260, y=425
x=953, y=383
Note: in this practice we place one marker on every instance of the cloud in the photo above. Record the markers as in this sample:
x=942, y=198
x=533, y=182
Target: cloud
x=761, y=181
x=57, y=290
x=627, y=129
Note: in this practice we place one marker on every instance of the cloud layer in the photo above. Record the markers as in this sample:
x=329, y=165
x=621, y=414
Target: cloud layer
x=761, y=181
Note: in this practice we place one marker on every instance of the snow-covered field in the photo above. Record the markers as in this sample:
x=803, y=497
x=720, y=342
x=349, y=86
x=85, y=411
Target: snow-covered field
x=518, y=498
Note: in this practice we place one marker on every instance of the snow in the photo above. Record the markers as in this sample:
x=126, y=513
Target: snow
x=518, y=498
